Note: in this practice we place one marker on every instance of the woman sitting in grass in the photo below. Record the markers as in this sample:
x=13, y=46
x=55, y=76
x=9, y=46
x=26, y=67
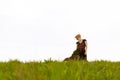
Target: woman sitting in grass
x=81, y=51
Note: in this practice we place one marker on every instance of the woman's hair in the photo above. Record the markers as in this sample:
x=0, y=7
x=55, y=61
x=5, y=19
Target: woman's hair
x=78, y=36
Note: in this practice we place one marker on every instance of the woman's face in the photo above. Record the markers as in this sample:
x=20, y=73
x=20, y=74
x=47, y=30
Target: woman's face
x=79, y=38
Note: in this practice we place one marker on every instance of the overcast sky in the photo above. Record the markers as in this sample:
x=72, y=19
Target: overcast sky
x=43, y=29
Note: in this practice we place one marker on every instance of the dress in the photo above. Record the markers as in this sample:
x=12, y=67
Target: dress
x=80, y=51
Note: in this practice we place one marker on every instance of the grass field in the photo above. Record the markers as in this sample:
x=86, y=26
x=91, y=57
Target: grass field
x=56, y=70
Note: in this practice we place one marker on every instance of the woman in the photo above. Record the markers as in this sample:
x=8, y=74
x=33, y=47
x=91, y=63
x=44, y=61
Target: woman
x=81, y=49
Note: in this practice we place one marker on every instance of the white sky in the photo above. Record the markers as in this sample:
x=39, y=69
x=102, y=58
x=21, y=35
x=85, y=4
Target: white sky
x=43, y=29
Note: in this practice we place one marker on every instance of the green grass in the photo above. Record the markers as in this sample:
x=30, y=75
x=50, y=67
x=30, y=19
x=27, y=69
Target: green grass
x=56, y=70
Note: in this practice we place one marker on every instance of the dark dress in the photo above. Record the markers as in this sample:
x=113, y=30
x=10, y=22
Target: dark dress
x=80, y=51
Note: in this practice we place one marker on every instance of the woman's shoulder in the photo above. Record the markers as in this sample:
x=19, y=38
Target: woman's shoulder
x=84, y=40
x=77, y=42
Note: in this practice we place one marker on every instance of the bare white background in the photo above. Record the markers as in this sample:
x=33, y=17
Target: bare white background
x=43, y=29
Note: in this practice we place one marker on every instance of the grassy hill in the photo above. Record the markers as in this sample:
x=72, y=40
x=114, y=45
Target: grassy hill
x=56, y=70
